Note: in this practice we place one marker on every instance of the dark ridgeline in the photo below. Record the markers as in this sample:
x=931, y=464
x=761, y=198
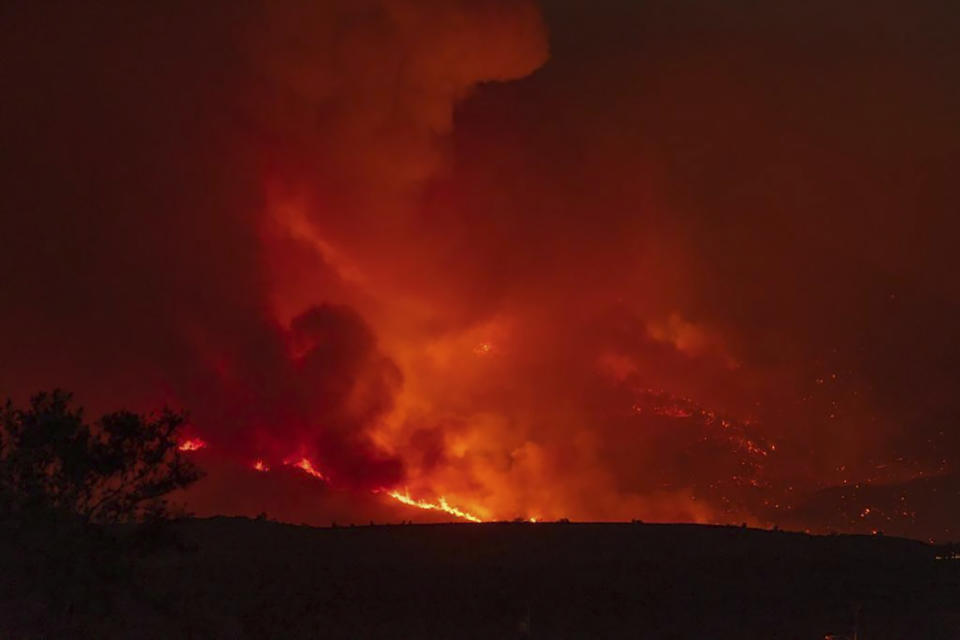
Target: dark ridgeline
x=239, y=578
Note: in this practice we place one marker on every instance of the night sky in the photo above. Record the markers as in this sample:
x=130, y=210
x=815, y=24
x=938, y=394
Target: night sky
x=672, y=261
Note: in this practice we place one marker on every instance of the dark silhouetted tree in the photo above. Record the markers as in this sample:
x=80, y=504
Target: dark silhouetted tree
x=118, y=469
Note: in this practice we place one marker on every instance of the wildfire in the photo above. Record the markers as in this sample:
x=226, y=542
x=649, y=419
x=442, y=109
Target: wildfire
x=307, y=466
x=192, y=444
x=304, y=464
x=440, y=505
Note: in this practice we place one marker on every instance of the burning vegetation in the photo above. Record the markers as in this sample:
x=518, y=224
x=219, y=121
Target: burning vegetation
x=591, y=272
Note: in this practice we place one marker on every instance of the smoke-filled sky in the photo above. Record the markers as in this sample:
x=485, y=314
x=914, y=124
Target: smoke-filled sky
x=610, y=260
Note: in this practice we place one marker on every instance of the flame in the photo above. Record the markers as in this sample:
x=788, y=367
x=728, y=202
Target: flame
x=304, y=464
x=192, y=444
x=440, y=505
x=307, y=466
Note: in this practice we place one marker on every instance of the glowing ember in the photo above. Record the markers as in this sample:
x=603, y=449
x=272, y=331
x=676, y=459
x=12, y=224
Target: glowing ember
x=482, y=349
x=675, y=412
x=440, y=505
x=307, y=466
x=260, y=465
x=192, y=444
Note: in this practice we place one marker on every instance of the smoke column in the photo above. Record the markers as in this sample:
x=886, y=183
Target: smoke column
x=626, y=261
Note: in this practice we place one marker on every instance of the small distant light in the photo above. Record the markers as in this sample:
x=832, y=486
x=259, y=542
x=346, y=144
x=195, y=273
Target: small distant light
x=482, y=349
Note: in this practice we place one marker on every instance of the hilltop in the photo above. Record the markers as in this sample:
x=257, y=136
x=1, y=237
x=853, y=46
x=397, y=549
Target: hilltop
x=241, y=578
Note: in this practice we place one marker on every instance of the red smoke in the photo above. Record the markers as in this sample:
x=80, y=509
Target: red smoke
x=612, y=262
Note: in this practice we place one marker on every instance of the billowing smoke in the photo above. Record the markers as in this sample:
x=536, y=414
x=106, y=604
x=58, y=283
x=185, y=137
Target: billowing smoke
x=154, y=165
x=696, y=263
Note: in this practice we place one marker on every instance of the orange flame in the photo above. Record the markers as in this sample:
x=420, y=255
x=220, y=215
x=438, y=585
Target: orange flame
x=440, y=505
x=307, y=466
x=192, y=444
x=304, y=464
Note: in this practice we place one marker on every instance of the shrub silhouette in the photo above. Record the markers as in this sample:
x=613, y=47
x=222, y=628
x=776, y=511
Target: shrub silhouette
x=119, y=469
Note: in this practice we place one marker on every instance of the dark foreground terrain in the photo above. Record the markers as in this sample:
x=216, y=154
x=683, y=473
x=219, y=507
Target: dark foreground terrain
x=238, y=578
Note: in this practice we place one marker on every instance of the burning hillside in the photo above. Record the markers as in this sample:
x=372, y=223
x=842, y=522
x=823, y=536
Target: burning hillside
x=497, y=259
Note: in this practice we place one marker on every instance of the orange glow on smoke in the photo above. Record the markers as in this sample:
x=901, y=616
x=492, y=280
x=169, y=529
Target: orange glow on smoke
x=192, y=444
x=440, y=505
x=260, y=465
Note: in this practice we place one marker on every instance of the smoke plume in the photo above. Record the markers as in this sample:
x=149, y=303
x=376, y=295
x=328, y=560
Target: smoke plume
x=684, y=263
